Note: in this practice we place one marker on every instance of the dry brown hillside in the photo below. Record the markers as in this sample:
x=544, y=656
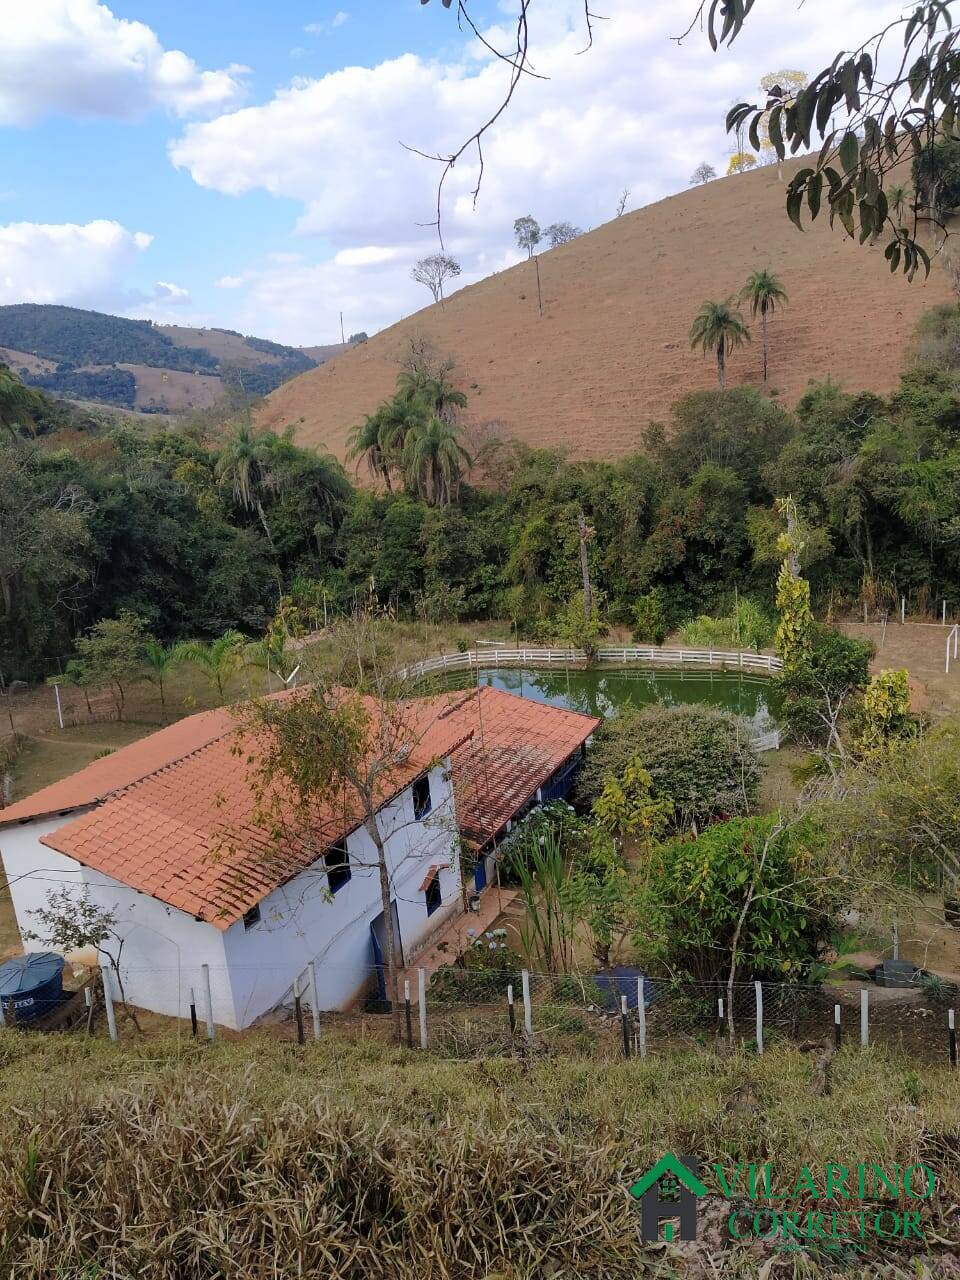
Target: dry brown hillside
x=611, y=350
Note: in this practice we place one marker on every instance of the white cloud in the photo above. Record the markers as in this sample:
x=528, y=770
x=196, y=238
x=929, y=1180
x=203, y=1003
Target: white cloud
x=321, y=28
x=172, y=294
x=68, y=263
x=636, y=111
x=232, y=282
x=75, y=57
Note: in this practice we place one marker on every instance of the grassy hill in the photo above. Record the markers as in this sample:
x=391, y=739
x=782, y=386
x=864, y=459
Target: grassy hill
x=135, y=364
x=610, y=352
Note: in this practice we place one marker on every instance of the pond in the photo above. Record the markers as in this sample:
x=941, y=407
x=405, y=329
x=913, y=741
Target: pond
x=602, y=691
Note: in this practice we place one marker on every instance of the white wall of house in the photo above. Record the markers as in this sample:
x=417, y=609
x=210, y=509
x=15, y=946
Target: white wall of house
x=252, y=969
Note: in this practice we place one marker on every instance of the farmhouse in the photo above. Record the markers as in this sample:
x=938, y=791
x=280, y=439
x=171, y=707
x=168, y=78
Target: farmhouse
x=162, y=834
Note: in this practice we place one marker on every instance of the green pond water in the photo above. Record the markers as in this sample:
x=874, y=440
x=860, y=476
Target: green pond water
x=602, y=691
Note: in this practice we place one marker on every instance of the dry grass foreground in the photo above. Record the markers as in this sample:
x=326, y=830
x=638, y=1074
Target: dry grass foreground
x=611, y=352
x=341, y=1159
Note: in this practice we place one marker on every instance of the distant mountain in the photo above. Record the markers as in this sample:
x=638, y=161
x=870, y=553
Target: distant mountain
x=135, y=364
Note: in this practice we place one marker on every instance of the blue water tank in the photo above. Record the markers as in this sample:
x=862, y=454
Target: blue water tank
x=31, y=986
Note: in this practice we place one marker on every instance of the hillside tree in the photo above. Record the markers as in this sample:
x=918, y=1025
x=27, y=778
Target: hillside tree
x=740, y=162
x=559, y=233
x=719, y=327
x=764, y=291
x=702, y=173
x=434, y=271
x=528, y=233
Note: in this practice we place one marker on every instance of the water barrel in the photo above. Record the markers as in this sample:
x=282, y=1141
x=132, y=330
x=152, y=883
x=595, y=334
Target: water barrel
x=31, y=986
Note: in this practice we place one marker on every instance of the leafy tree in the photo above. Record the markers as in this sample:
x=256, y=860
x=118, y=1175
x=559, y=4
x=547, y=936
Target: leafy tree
x=219, y=660
x=936, y=177
x=650, y=617
x=702, y=174
x=793, y=595
x=581, y=630
x=754, y=893
x=885, y=710
x=697, y=756
x=528, y=233
x=627, y=807
x=559, y=233
x=789, y=84
x=818, y=692
x=434, y=271
x=740, y=162
x=19, y=405
x=111, y=653
x=243, y=468
x=764, y=291
x=898, y=199
x=719, y=327
x=357, y=339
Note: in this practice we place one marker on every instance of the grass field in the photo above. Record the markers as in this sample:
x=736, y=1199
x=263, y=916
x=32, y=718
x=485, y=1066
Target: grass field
x=346, y=1160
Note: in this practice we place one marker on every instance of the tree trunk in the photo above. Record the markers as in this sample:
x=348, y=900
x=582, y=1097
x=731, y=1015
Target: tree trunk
x=393, y=968
x=721, y=365
x=763, y=328
x=585, y=568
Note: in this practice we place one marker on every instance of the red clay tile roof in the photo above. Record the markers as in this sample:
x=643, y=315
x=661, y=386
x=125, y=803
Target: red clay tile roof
x=174, y=815
x=512, y=746
x=186, y=834
x=119, y=769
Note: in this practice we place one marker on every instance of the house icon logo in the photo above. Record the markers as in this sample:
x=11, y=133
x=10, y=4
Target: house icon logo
x=678, y=1174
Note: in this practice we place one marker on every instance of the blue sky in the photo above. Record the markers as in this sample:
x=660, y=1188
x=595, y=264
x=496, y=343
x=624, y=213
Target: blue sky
x=240, y=163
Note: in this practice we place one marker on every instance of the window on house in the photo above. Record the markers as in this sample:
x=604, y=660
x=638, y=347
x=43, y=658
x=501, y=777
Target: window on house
x=422, y=802
x=338, y=866
x=252, y=917
x=432, y=895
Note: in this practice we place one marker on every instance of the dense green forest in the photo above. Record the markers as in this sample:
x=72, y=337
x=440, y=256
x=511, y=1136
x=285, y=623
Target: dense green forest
x=71, y=336
x=198, y=533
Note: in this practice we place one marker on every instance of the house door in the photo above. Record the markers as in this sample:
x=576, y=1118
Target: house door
x=480, y=874
x=378, y=941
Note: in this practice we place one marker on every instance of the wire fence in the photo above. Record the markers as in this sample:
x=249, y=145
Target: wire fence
x=498, y=1012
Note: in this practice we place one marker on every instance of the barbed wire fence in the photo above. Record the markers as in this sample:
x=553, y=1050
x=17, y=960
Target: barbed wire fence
x=476, y=1013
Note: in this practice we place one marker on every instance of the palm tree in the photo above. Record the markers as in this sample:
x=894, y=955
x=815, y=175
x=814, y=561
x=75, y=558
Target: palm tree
x=218, y=660
x=764, y=291
x=366, y=442
x=434, y=390
x=244, y=467
x=898, y=197
x=160, y=660
x=719, y=327
x=434, y=461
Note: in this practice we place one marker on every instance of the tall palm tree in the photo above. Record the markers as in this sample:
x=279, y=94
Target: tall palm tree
x=434, y=461
x=435, y=390
x=366, y=442
x=898, y=197
x=719, y=327
x=764, y=291
x=160, y=661
x=243, y=467
x=218, y=660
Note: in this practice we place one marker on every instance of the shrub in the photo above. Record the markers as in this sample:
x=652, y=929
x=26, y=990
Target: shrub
x=747, y=627
x=819, y=689
x=650, y=617
x=699, y=757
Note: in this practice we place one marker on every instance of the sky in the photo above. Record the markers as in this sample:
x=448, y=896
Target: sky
x=240, y=163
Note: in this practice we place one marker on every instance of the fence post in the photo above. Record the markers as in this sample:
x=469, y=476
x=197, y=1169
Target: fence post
x=193, y=1014
x=641, y=1018
x=952, y=1033
x=944, y=613
x=56, y=690
x=758, y=988
x=314, y=998
x=207, y=1001
x=511, y=1011
x=836, y=1026
x=864, y=1018
x=298, y=1011
x=903, y=609
x=108, y=1004
x=3, y=1016
x=422, y=1000
x=625, y=1025
x=407, y=1013
x=527, y=1011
